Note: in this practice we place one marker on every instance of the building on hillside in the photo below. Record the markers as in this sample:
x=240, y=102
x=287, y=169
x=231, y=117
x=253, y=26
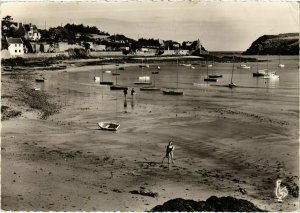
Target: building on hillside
x=31, y=32
x=99, y=47
x=15, y=46
x=63, y=46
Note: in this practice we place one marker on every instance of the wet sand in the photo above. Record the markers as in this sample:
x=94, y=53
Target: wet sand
x=224, y=145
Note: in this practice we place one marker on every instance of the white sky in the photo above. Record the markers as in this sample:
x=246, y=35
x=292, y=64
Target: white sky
x=219, y=25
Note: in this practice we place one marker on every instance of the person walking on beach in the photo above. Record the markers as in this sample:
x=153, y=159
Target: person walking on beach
x=125, y=92
x=132, y=92
x=169, y=153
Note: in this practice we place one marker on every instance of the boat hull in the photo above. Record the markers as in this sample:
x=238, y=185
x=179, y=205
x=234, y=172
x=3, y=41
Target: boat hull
x=211, y=79
x=142, y=83
x=106, y=83
x=149, y=89
x=215, y=76
x=172, y=92
x=117, y=87
x=108, y=126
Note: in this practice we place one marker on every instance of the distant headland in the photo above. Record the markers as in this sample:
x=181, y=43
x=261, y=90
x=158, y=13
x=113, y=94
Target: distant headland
x=281, y=44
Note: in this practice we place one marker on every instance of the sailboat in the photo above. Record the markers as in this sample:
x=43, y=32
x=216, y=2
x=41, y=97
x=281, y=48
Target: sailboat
x=212, y=75
x=243, y=66
x=208, y=78
x=280, y=65
x=270, y=75
x=144, y=79
x=231, y=84
x=169, y=91
x=102, y=77
x=116, y=86
x=258, y=72
x=151, y=88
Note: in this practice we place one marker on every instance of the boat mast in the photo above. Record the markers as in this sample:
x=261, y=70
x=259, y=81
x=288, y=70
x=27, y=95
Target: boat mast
x=232, y=70
x=206, y=67
x=143, y=70
x=212, y=65
x=177, y=74
x=102, y=72
x=116, y=73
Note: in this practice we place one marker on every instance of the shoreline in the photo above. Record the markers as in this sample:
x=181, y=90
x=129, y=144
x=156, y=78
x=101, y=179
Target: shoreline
x=67, y=163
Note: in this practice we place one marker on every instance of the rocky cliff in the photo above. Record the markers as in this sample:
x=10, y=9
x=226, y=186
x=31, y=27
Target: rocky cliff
x=282, y=44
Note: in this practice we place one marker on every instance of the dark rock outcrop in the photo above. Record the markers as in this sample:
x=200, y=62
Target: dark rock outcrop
x=282, y=44
x=212, y=204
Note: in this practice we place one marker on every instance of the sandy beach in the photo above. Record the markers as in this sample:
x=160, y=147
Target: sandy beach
x=226, y=144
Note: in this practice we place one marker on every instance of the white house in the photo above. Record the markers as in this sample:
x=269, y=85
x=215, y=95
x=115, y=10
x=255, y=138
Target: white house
x=15, y=46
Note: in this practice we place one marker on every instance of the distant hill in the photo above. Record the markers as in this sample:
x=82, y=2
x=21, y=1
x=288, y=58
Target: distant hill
x=282, y=44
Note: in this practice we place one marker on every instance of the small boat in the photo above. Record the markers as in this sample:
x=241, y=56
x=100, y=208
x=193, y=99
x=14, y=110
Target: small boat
x=260, y=73
x=107, y=71
x=280, y=65
x=211, y=79
x=40, y=80
x=208, y=78
x=175, y=91
x=243, y=66
x=96, y=78
x=271, y=75
x=158, y=67
x=155, y=72
x=36, y=89
x=215, y=76
x=172, y=91
x=192, y=67
x=231, y=84
x=116, y=74
x=210, y=65
x=106, y=83
x=149, y=88
x=121, y=68
x=108, y=126
x=118, y=87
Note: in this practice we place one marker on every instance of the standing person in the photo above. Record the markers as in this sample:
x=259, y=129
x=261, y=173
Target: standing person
x=169, y=153
x=125, y=92
x=132, y=92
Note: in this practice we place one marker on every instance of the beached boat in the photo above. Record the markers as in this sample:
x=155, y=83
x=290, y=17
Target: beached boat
x=40, y=80
x=96, y=78
x=171, y=91
x=108, y=126
x=144, y=79
x=105, y=82
x=231, y=84
x=151, y=88
x=118, y=87
x=213, y=75
x=208, y=78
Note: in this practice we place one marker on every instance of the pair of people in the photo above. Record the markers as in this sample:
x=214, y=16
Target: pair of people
x=132, y=92
x=169, y=153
